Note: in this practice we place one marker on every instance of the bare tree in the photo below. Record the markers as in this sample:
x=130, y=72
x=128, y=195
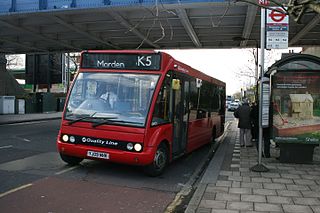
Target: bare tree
x=294, y=8
x=14, y=61
x=247, y=71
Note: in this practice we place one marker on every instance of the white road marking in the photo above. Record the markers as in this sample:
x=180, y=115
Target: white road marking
x=66, y=170
x=23, y=139
x=15, y=190
x=6, y=147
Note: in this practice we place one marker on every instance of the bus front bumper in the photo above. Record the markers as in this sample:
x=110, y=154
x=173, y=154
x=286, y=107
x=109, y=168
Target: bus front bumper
x=113, y=155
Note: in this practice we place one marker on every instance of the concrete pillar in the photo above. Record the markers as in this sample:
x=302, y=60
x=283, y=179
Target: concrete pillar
x=3, y=62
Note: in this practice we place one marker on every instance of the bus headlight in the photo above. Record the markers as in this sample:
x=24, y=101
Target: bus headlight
x=65, y=138
x=130, y=146
x=137, y=147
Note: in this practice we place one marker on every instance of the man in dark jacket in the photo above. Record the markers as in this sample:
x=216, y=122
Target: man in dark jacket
x=243, y=114
x=266, y=130
x=254, y=114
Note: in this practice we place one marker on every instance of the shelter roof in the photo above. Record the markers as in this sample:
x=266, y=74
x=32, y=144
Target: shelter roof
x=301, y=98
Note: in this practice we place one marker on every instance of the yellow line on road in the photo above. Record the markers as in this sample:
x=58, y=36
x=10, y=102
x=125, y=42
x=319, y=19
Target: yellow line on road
x=15, y=190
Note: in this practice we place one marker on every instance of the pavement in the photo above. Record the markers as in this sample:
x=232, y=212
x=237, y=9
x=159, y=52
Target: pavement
x=229, y=186
x=20, y=118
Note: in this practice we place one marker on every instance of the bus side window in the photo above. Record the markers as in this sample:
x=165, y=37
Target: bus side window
x=205, y=100
x=222, y=107
x=161, y=112
x=193, y=100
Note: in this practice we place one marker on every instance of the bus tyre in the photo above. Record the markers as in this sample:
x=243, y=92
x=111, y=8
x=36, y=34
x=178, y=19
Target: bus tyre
x=159, y=163
x=70, y=159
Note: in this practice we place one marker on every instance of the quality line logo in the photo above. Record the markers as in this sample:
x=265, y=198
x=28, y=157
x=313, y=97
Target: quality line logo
x=99, y=141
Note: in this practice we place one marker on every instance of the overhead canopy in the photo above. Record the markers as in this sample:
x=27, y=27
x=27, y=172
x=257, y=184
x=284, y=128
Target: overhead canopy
x=73, y=25
x=299, y=62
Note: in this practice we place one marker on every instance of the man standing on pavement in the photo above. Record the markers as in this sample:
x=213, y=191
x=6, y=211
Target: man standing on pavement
x=254, y=114
x=243, y=114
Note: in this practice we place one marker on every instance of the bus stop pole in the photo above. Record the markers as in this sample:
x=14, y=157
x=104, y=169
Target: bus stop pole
x=260, y=167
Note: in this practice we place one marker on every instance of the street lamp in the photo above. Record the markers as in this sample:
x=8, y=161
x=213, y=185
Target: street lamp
x=256, y=61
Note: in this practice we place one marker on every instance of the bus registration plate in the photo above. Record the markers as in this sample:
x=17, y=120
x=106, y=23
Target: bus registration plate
x=102, y=155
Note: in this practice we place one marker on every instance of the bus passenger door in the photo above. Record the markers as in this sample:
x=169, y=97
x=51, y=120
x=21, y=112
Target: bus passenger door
x=181, y=112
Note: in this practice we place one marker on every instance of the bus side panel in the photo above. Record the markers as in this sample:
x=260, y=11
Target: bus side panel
x=216, y=123
x=199, y=133
x=156, y=135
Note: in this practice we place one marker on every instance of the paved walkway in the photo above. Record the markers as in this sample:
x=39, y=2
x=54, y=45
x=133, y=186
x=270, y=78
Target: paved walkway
x=228, y=185
x=18, y=118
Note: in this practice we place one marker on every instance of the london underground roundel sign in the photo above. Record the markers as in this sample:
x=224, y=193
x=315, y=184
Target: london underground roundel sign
x=276, y=16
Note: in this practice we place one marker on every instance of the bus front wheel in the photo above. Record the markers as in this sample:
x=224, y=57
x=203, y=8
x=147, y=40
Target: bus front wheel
x=70, y=159
x=160, y=161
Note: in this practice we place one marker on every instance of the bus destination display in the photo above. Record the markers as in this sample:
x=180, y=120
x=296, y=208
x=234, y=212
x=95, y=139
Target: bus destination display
x=121, y=61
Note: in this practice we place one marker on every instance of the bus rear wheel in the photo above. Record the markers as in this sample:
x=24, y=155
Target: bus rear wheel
x=70, y=159
x=160, y=161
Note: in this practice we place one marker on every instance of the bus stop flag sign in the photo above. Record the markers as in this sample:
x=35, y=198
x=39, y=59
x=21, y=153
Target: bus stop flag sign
x=277, y=29
x=264, y=2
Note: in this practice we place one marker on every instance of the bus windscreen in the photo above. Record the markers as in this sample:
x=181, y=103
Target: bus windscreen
x=121, y=61
x=117, y=98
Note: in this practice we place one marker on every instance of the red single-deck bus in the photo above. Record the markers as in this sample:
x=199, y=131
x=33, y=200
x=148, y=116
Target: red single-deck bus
x=140, y=108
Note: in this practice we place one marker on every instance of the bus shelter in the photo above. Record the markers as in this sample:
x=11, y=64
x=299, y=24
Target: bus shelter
x=295, y=101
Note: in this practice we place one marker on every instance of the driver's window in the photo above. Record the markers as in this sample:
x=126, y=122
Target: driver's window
x=77, y=91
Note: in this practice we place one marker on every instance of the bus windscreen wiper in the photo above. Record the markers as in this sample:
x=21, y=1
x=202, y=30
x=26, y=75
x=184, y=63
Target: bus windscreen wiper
x=114, y=121
x=82, y=118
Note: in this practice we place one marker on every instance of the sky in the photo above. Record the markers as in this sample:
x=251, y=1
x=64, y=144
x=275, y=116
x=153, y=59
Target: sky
x=226, y=64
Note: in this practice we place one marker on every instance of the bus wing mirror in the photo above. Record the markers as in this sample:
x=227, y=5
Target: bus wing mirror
x=175, y=84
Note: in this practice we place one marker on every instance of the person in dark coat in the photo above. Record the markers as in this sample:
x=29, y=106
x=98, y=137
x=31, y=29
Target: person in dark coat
x=265, y=131
x=243, y=114
x=254, y=115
